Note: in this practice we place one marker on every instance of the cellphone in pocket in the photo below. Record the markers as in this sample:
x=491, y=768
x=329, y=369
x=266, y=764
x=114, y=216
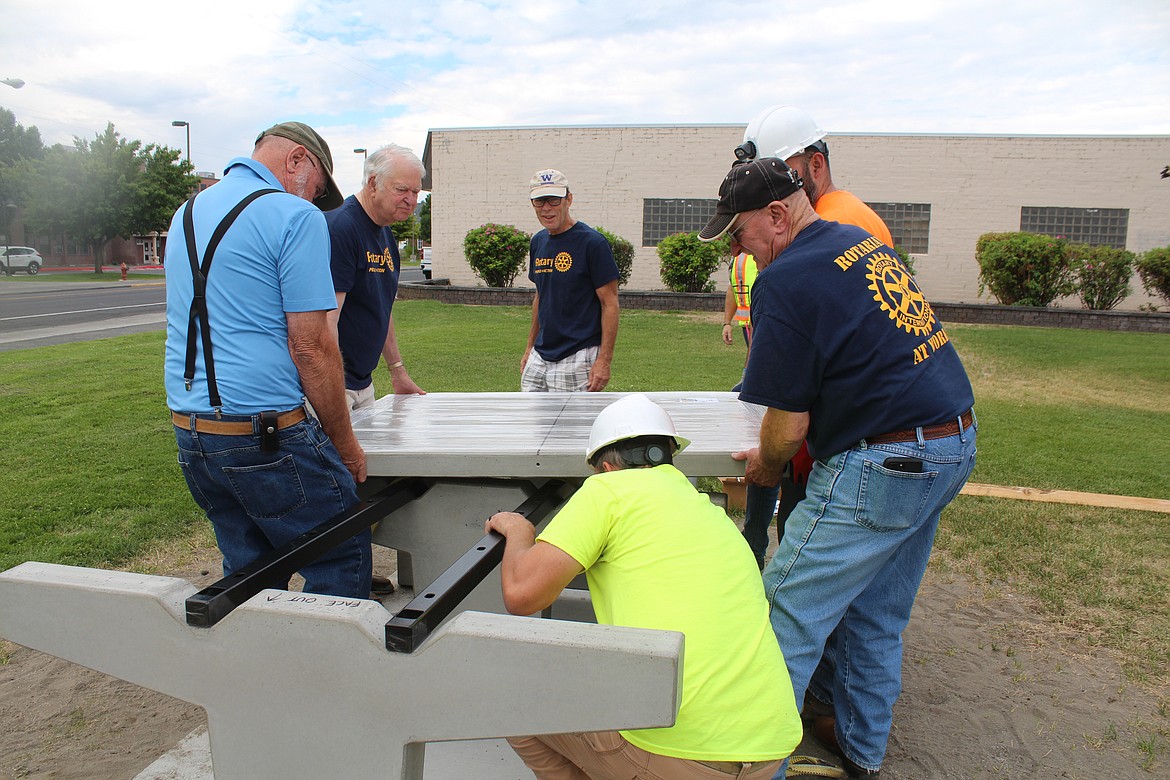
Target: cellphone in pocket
x=905, y=465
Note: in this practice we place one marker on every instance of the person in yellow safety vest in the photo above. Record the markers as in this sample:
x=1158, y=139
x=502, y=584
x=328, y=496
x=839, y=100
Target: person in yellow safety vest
x=737, y=307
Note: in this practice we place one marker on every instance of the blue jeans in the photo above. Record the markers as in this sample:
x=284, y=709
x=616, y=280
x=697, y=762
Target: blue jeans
x=258, y=501
x=851, y=558
x=759, y=508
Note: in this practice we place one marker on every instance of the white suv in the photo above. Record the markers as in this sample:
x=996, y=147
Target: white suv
x=20, y=258
x=425, y=264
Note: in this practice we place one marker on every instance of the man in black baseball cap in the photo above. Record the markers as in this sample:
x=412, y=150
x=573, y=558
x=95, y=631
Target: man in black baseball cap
x=766, y=187
x=848, y=354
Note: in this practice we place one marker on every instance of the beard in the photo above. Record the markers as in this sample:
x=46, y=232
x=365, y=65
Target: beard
x=810, y=187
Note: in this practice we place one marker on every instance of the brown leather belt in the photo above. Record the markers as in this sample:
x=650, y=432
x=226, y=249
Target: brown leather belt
x=240, y=428
x=940, y=431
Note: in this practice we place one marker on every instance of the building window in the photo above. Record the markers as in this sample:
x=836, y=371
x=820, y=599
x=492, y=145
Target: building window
x=909, y=224
x=1104, y=227
x=662, y=217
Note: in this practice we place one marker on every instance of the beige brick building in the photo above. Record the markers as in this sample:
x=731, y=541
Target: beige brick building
x=938, y=193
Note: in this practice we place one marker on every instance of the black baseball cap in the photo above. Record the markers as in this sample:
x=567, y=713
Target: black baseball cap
x=311, y=140
x=749, y=186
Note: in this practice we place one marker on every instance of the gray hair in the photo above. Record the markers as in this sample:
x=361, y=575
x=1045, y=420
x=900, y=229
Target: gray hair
x=384, y=161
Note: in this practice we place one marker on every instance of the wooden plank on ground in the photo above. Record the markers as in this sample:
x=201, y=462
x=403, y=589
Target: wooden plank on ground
x=1068, y=497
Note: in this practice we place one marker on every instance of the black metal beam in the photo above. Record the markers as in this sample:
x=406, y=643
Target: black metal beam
x=215, y=602
x=415, y=622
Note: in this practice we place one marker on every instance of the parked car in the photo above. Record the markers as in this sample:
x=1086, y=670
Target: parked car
x=20, y=258
x=425, y=263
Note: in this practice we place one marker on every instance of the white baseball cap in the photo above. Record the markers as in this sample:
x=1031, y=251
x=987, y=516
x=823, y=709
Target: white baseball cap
x=548, y=182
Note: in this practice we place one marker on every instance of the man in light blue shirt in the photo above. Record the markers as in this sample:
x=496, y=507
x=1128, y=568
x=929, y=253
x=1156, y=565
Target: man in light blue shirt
x=242, y=359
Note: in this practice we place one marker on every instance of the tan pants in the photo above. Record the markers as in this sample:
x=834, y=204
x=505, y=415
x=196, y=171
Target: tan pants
x=357, y=399
x=360, y=399
x=605, y=755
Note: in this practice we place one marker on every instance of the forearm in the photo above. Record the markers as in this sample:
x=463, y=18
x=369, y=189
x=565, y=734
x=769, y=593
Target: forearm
x=323, y=380
x=399, y=376
x=781, y=434
x=610, y=317
x=532, y=574
x=313, y=347
x=729, y=307
x=728, y=316
x=534, y=327
x=390, y=345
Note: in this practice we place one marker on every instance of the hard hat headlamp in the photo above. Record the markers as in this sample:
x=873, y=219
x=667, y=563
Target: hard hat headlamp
x=746, y=151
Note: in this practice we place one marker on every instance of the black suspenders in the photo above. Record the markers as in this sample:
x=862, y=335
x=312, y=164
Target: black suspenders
x=197, y=319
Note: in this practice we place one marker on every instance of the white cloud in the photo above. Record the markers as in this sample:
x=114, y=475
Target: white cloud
x=365, y=73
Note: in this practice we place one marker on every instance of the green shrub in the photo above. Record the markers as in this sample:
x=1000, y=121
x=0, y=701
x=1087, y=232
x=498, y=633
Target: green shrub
x=496, y=253
x=1154, y=268
x=623, y=254
x=686, y=263
x=1102, y=274
x=1023, y=269
x=907, y=260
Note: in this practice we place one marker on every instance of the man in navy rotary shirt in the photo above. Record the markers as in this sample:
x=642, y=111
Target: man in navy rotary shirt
x=365, y=270
x=847, y=353
x=575, y=311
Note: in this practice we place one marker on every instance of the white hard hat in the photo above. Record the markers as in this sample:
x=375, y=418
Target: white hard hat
x=634, y=415
x=778, y=131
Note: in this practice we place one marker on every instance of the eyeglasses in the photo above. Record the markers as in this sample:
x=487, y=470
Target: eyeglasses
x=734, y=233
x=322, y=188
x=547, y=200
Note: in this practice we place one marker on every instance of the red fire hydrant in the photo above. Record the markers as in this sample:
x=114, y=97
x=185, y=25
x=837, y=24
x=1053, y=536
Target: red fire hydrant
x=124, y=269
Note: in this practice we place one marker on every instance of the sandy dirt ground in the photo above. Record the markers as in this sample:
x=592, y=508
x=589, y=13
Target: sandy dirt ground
x=990, y=691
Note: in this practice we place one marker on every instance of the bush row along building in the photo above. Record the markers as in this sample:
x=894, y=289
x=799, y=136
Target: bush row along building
x=937, y=193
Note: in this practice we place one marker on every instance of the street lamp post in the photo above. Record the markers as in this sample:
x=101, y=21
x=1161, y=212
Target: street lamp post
x=362, y=152
x=14, y=83
x=181, y=123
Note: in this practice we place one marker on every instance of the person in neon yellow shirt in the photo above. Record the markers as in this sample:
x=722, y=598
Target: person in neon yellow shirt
x=640, y=531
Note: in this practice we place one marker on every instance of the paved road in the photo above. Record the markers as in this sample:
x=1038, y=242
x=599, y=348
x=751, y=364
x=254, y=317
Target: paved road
x=42, y=312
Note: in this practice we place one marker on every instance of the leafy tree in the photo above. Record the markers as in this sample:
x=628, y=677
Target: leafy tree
x=164, y=182
x=623, y=254
x=107, y=187
x=407, y=230
x=496, y=252
x=686, y=264
x=424, y=219
x=17, y=144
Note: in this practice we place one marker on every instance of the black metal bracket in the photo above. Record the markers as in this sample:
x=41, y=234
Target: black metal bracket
x=215, y=602
x=415, y=622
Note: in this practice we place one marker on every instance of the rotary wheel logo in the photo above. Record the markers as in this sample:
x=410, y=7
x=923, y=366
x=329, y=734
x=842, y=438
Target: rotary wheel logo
x=896, y=291
x=563, y=261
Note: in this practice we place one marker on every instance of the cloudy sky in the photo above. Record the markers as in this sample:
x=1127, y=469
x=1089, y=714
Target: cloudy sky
x=366, y=73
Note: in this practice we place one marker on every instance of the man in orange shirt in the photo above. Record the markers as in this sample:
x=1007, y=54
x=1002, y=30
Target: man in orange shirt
x=792, y=135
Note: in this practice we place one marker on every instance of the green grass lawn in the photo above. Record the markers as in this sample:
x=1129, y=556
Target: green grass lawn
x=91, y=478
